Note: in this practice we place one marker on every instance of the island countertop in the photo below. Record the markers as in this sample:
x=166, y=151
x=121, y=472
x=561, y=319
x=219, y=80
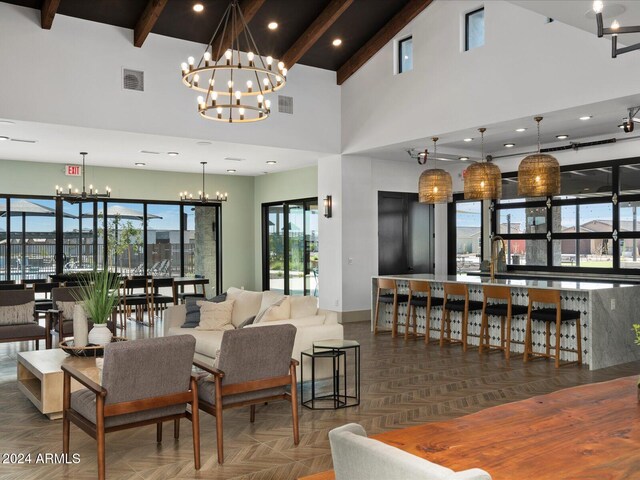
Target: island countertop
x=581, y=285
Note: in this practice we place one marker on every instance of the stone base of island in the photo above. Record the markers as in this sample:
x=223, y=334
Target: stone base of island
x=608, y=311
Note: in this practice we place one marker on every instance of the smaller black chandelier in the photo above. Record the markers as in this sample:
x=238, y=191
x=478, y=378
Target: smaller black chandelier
x=202, y=195
x=75, y=194
x=614, y=30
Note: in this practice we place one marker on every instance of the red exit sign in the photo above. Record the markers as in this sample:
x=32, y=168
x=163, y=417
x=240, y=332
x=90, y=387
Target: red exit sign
x=73, y=170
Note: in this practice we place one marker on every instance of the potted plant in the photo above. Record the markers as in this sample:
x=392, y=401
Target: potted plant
x=99, y=294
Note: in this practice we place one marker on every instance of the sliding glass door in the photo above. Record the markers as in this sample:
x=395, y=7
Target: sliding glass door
x=290, y=247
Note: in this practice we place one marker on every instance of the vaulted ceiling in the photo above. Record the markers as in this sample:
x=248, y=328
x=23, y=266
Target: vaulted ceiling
x=305, y=33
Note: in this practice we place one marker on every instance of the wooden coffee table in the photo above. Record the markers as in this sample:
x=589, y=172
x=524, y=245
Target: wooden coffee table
x=40, y=377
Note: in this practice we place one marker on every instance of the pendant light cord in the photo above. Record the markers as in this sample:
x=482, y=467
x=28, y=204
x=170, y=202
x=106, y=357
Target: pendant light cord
x=538, y=120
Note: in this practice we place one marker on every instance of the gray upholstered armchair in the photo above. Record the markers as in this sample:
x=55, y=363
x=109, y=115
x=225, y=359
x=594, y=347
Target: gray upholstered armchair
x=18, y=322
x=144, y=382
x=254, y=366
x=356, y=457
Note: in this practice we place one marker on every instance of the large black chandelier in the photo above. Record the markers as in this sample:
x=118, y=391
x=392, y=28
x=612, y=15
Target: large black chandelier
x=234, y=81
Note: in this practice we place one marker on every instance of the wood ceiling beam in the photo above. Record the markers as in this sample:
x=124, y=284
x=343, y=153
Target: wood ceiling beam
x=249, y=9
x=410, y=11
x=313, y=33
x=147, y=20
x=47, y=12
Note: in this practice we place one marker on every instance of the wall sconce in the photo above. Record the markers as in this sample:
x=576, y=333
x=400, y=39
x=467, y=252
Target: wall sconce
x=327, y=206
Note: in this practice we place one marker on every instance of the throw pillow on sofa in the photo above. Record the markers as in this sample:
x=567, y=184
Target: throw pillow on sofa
x=247, y=304
x=192, y=319
x=215, y=316
x=280, y=310
x=17, y=314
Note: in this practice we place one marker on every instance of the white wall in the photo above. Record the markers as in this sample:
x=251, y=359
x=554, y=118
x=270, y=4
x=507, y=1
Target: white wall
x=330, y=233
x=526, y=67
x=71, y=75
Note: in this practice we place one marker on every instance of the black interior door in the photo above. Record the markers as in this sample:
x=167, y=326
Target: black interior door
x=405, y=234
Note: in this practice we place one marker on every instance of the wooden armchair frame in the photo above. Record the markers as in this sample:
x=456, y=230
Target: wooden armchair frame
x=245, y=387
x=98, y=430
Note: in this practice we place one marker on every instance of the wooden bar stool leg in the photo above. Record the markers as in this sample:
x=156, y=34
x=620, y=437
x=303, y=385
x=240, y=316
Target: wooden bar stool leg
x=427, y=322
x=406, y=321
x=442, y=326
x=507, y=351
x=394, y=324
x=483, y=328
x=415, y=322
x=527, y=338
x=548, y=341
x=579, y=338
x=502, y=323
x=465, y=326
x=375, y=323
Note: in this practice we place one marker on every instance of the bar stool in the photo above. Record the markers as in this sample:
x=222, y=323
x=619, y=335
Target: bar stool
x=506, y=311
x=464, y=306
x=389, y=298
x=549, y=315
x=423, y=301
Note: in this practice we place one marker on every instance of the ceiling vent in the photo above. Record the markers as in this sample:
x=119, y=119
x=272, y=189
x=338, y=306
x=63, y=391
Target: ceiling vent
x=234, y=159
x=22, y=140
x=132, y=80
x=285, y=104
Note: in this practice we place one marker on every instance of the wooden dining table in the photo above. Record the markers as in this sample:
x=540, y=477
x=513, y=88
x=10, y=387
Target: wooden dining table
x=181, y=282
x=586, y=432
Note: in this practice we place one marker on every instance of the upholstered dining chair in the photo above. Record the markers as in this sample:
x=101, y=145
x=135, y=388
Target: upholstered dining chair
x=156, y=390
x=254, y=366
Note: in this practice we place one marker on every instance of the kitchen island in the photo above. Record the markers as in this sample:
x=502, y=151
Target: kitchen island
x=608, y=311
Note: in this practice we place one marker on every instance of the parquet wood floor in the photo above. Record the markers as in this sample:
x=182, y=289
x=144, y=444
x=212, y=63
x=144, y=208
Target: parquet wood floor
x=403, y=384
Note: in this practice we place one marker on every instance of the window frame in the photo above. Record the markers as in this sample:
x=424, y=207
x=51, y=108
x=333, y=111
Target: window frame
x=467, y=16
x=399, y=54
x=617, y=201
x=452, y=233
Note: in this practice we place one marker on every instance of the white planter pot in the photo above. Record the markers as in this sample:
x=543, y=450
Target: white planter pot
x=100, y=334
x=80, y=327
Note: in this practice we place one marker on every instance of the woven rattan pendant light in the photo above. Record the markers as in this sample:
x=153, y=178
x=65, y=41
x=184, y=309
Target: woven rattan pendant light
x=539, y=174
x=435, y=184
x=483, y=180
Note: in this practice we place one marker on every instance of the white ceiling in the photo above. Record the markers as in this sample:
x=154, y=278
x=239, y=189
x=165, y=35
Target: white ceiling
x=606, y=116
x=108, y=148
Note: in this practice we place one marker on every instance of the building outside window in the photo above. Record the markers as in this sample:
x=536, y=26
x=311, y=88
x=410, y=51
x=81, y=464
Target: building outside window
x=405, y=55
x=474, y=29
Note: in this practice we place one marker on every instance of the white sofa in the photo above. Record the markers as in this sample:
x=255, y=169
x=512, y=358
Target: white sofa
x=321, y=326
x=356, y=457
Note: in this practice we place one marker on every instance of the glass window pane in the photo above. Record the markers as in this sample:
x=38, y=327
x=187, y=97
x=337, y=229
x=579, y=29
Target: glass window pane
x=630, y=253
x=593, y=182
x=468, y=236
x=296, y=248
x=526, y=252
x=125, y=234
x=276, y=247
x=565, y=216
x=564, y=252
x=523, y=220
x=595, y=252
x=510, y=191
x=629, y=217
x=163, y=240
x=630, y=178
x=405, y=53
x=311, y=246
x=597, y=217
x=475, y=29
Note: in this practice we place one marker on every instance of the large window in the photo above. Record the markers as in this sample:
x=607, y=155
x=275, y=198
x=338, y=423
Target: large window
x=591, y=226
x=41, y=236
x=405, y=55
x=474, y=29
x=468, y=217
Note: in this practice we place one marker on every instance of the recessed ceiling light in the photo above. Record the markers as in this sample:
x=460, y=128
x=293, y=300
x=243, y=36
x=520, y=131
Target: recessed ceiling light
x=468, y=139
x=337, y=42
x=562, y=137
x=173, y=154
x=509, y=145
x=6, y=122
x=273, y=25
x=231, y=170
x=271, y=162
x=520, y=130
x=586, y=117
x=140, y=164
x=464, y=159
x=198, y=7
x=2, y=139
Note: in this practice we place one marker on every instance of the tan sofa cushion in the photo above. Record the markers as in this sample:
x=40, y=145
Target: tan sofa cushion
x=296, y=322
x=17, y=314
x=215, y=316
x=306, y=306
x=247, y=304
x=207, y=341
x=270, y=298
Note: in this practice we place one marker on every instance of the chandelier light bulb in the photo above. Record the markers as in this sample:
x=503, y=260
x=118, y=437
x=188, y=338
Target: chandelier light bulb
x=249, y=85
x=284, y=72
x=70, y=186
x=200, y=99
x=230, y=84
x=191, y=60
x=219, y=110
x=615, y=25
x=184, y=66
x=598, y=6
x=196, y=78
x=228, y=54
x=250, y=56
x=278, y=78
x=435, y=189
x=280, y=65
x=212, y=82
x=267, y=104
x=266, y=82
x=269, y=60
x=214, y=96
x=207, y=56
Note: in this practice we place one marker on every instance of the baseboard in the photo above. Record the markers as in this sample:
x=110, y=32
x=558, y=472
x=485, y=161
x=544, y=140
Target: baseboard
x=354, y=316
